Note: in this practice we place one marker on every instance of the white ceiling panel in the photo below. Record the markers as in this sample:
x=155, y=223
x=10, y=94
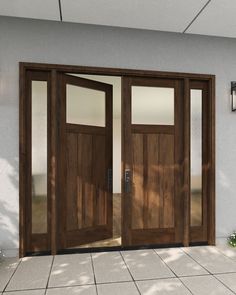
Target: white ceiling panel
x=217, y=19
x=163, y=15
x=39, y=9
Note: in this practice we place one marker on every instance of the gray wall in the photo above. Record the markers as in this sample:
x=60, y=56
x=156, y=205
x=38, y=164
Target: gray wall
x=53, y=42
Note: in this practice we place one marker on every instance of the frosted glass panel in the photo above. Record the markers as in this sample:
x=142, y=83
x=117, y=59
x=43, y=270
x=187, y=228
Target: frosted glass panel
x=152, y=105
x=39, y=157
x=85, y=106
x=196, y=157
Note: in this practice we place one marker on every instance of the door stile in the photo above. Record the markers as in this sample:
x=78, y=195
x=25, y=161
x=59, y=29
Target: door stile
x=109, y=155
x=179, y=161
x=61, y=207
x=126, y=160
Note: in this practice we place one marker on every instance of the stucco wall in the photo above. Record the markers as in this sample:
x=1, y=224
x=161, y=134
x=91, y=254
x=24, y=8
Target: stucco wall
x=54, y=42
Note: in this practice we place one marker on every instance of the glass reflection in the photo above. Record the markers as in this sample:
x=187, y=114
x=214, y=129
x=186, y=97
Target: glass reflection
x=196, y=157
x=152, y=105
x=85, y=106
x=39, y=157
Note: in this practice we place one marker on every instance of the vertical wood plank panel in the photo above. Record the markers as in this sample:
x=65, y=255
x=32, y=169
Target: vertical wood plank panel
x=153, y=179
x=99, y=179
x=85, y=178
x=138, y=183
x=71, y=181
x=167, y=178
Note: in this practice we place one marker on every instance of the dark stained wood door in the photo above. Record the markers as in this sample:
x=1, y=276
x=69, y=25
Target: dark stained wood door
x=153, y=159
x=85, y=168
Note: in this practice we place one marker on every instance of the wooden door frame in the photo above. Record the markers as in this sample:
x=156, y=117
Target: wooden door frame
x=53, y=70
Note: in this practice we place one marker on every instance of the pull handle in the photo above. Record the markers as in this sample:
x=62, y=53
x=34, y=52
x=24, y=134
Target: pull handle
x=109, y=180
x=127, y=180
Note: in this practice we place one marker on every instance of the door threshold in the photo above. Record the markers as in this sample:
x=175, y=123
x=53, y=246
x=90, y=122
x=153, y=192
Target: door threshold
x=103, y=249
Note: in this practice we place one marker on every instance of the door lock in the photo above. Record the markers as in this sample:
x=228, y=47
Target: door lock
x=127, y=180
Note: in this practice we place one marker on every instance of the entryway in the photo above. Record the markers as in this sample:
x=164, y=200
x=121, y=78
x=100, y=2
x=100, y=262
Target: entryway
x=113, y=159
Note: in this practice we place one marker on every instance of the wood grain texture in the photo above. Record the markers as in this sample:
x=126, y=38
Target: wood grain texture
x=88, y=149
x=167, y=181
x=153, y=181
x=138, y=182
x=71, y=180
x=33, y=243
x=157, y=171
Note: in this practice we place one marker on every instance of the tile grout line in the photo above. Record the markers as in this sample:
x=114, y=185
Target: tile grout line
x=130, y=272
x=12, y=276
x=196, y=16
x=50, y=271
x=172, y=271
x=120, y=282
x=94, y=277
x=165, y=263
x=223, y=284
x=221, y=252
x=209, y=271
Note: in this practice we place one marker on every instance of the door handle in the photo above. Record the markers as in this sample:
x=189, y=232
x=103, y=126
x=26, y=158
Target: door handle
x=127, y=180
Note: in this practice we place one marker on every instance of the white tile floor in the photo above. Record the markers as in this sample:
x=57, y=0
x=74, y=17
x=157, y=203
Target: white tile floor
x=177, y=271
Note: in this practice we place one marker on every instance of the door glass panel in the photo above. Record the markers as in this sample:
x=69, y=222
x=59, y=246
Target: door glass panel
x=85, y=106
x=196, y=157
x=152, y=105
x=39, y=157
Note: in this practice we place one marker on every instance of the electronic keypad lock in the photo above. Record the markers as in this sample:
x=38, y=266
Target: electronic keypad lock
x=127, y=180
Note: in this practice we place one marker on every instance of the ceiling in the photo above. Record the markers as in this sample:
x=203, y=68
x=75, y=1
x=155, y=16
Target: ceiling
x=205, y=17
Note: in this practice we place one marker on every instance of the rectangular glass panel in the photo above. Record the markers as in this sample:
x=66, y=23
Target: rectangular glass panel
x=196, y=157
x=39, y=157
x=85, y=106
x=152, y=105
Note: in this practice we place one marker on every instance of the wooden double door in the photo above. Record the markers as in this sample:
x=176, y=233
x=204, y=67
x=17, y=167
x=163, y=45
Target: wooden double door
x=67, y=202
x=152, y=196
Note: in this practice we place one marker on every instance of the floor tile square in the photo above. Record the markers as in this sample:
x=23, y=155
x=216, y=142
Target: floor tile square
x=211, y=259
x=28, y=292
x=180, y=263
x=110, y=267
x=205, y=285
x=163, y=287
x=7, y=268
x=145, y=264
x=79, y=290
x=229, y=280
x=127, y=288
x=227, y=251
x=32, y=273
x=70, y=270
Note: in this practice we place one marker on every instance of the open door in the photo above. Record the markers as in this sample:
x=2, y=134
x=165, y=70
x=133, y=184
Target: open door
x=85, y=166
x=153, y=159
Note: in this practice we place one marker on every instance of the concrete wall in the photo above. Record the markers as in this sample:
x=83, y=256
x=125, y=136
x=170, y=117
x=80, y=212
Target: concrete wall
x=64, y=43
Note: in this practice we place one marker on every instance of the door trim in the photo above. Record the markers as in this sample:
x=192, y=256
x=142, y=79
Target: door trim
x=53, y=70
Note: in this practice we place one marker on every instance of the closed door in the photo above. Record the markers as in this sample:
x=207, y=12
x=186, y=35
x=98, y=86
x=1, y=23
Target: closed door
x=85, y=168
x=152, y=155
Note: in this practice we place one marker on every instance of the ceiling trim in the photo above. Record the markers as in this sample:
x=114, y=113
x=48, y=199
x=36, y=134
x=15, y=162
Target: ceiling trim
x=60, y=10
